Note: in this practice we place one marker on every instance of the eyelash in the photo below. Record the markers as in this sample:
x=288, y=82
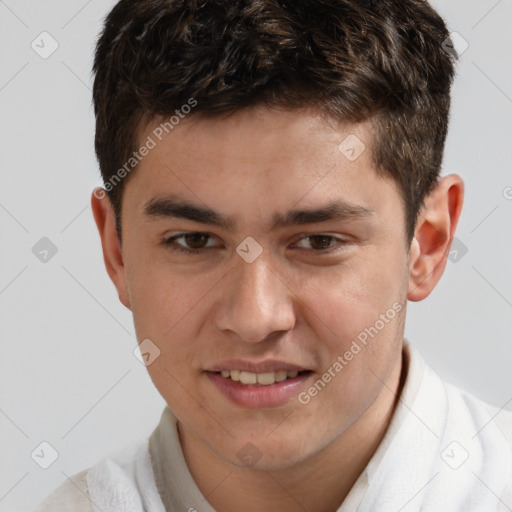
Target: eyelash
x=171, y=243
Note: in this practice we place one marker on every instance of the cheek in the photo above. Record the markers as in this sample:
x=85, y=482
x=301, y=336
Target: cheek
x=168, y=308
x=357, y=313
x=347, y=299
x=162, y=297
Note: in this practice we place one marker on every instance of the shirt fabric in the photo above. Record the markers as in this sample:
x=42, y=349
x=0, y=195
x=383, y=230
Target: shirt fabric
x=417, y=465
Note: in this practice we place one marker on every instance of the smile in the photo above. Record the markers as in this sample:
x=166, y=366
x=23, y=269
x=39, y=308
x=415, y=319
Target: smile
x=259, y=390
x=261, y=379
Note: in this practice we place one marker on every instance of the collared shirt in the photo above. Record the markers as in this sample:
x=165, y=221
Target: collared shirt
x=179, y=491
x=176, y=490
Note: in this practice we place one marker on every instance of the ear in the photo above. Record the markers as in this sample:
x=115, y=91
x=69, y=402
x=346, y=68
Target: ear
x=104, y=216
x=433, y=236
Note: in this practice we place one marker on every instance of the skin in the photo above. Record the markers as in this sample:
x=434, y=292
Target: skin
x=294, y=302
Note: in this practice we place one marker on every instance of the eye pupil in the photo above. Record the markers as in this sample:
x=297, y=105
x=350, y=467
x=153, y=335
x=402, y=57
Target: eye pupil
x=196, y=238
x=324, y=240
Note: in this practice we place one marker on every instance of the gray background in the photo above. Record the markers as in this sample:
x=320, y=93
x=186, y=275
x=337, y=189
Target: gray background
x=67, y=372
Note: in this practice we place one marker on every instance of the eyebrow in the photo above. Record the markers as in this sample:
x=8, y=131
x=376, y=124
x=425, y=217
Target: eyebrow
x=175, y=207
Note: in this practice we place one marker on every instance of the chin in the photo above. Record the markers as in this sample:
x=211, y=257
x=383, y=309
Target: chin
x=267, y=454
x=270, y=461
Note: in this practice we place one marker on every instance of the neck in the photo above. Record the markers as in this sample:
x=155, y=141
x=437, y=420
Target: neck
x=318, y=484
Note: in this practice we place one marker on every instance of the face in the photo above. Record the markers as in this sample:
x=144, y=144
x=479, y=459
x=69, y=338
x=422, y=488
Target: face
x=254, y=248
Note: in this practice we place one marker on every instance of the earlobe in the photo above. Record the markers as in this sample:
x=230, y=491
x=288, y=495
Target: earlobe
x=433, y=236
x=104, y=217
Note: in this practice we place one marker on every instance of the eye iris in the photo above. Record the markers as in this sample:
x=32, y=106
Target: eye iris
x=324, y=241
x=193, y=239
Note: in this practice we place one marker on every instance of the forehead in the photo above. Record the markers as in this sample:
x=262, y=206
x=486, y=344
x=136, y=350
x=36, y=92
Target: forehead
x=282, y=133
x=268, y=141
x=258, y=162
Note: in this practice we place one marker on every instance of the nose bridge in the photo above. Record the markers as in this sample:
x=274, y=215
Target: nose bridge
x=257, y=286
x=258, y=303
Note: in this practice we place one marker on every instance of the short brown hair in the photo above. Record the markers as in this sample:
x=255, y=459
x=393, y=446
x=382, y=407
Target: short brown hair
x=356, y=60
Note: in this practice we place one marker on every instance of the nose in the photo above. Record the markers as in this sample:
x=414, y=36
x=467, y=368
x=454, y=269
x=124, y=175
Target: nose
x=258, y=303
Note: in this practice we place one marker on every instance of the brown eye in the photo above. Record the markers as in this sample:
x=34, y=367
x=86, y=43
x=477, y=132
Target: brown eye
x=320, y=241
x=190, y=242
x=196, y=240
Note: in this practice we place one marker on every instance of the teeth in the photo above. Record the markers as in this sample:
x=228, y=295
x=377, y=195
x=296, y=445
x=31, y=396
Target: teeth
x=280, y=376
x=248, y=378
x=264, y=379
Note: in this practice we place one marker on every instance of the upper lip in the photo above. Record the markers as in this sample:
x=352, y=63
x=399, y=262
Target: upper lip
x=270, y=365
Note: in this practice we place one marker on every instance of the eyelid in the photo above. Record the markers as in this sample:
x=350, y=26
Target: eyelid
x=339, y=239
x=171, y=242
x=170, y=239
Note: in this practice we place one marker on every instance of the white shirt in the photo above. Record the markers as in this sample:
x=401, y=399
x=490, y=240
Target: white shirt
x=443, y=451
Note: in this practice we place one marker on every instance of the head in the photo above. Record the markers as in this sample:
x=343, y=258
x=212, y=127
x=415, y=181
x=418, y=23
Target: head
x=296, y=148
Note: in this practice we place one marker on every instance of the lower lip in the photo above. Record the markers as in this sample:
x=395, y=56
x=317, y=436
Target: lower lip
x=253, y=396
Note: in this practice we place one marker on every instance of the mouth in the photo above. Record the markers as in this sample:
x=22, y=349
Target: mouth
x=264, y=387
x=261, y=379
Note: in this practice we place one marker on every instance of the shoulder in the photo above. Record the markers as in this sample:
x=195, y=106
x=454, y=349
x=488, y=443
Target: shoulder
x=465, y=413
x=121, y=479
x=73, y=494
x=491, y=440
x=503, y=420
x=467, y=444
x=485, y=416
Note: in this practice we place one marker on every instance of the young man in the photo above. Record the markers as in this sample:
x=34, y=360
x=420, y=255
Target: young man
x=272, y=201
